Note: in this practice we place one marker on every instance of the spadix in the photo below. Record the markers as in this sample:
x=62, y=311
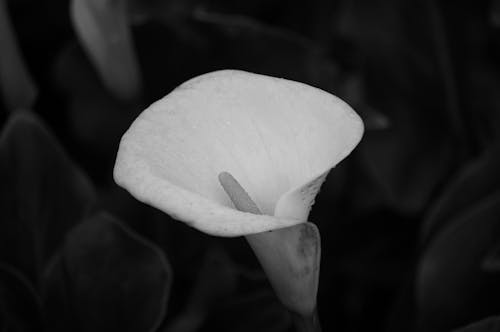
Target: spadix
x=279, y=138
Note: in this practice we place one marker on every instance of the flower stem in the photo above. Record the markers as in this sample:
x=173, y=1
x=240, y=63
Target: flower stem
x=272, y=250
x=307, y=323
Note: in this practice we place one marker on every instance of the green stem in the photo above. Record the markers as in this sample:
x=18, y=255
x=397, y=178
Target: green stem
x=307, y=323
x=268, y=255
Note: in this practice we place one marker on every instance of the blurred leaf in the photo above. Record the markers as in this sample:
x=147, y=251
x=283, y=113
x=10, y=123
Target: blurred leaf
x=353, y=92
x=452, y=289
x=43, y=194
x=491, y=324
x=216, y=281
x=495, y=13
x=20, y=309
x=405, y=164
x=16, y=84
x=475, y=181
x=491, y=262
x=389, y=35
x=399, y=58
x=103, y=28
x=183, y=244
x=312, y=18
x=245, y=8
x=107, y=278
x=251, y=311
x=95, y=116
x=167, y=12
x=481, y=85
x=210, y=41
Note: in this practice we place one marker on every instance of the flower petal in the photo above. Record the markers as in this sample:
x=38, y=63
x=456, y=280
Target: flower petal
x=291, y=258
x=297, y=203
x=197, y=211
x=275, y=136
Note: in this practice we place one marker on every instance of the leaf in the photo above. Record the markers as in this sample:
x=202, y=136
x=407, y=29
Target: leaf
x=394, y=42
x=216, y=281
x=43, y=194
x=18, y=90
x=406, y=165
x=353, y=92
x=495, y=13
x=166, y=12
x=491, y=261
x=410, y=160
x=452, y=288
x=183, y=244
x=481, y=86
x=475, y=181
x=96, y=118
x=490, y=324
x=252, y=311
x=20, y=307
x=211, y=41
x=104, y=30
x=107, y=278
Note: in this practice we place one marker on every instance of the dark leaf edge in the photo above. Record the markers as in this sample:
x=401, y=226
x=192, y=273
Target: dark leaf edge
x=29, y=119
x=161, y=255
x=145, y=242
x=489, y=324
x=440, y=212
x=24, y=281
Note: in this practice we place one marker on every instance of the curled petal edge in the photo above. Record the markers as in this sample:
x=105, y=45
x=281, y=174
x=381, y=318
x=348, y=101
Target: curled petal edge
x=202, y=213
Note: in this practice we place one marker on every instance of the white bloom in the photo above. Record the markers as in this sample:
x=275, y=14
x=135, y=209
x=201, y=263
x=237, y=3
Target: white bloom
x=279, y=138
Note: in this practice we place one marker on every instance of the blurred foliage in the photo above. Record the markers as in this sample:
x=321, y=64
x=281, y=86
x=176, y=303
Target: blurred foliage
x=410, y=222
x=491, y=324
x=106, y=278
x=37, y=180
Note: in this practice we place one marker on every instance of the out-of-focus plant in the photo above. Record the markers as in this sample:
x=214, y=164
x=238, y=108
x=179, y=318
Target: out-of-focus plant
x=17, y=87
x=63, y=266
x=459, y=263
x=490, y=324
x=399, y=46
x=43, y=195
x=106, y=277
x=279, y=138
x=104, y=30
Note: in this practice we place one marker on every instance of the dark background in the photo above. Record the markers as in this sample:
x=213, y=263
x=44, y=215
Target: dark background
x=410, y=221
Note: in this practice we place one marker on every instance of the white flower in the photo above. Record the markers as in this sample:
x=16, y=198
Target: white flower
x=277, y=137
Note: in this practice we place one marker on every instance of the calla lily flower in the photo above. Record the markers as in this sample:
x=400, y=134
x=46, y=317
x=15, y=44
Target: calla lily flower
x=104, y=31
x=278, y=138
